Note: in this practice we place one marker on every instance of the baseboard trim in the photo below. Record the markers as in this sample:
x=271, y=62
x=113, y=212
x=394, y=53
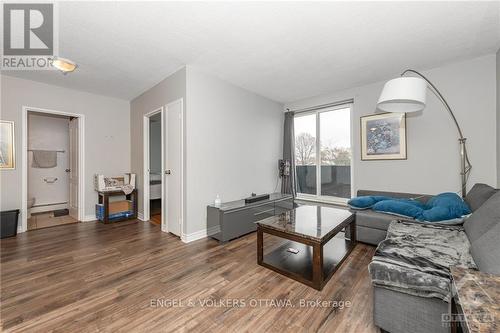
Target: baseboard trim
x=89, y=218
x=140, y=216
x=197, y=235
x=188, y=238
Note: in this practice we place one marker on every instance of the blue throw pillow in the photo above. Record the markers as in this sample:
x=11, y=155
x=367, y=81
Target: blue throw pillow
x=405, y=208
x=451, y=200
x=366, y=202
x=445, y=206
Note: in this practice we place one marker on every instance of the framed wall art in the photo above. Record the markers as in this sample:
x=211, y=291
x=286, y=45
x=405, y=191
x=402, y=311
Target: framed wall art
x=383, y=137
x=7, y=154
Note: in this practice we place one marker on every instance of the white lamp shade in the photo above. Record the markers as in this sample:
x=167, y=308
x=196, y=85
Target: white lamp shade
x=404, y=94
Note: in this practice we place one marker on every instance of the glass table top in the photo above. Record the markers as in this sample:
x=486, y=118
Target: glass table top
x=314, y=222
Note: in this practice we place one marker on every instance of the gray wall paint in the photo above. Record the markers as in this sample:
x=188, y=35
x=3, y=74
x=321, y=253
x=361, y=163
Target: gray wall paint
x=107, y=132
x=167, y=91
x=498, y=118
x=232, y=140
x=433, y=151
x=233, y=143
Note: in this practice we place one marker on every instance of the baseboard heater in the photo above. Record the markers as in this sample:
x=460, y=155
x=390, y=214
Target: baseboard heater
x=50, y=204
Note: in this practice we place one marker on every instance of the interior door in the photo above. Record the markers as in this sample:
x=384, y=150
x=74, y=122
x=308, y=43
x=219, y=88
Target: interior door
x=73, y=168
x=173, y=167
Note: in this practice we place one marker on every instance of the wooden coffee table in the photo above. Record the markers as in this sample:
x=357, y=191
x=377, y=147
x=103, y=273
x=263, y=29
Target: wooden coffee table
x=311, y=230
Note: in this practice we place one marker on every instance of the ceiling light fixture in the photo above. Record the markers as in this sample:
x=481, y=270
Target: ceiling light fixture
x=64, y=65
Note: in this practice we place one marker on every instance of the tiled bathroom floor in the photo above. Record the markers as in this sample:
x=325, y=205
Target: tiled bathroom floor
x=45, y=220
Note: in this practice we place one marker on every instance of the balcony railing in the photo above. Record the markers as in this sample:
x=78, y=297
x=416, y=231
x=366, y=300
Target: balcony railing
x=335, y=180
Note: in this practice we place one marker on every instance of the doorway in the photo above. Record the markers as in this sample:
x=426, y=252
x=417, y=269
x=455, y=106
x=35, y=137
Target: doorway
x=163, y=167
x=52, y=164
x=155, y=168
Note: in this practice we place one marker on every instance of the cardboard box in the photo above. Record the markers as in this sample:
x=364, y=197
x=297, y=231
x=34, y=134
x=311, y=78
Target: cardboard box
x=119, y=206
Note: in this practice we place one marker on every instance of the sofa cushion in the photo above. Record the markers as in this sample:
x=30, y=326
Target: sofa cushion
x=401, y=207
x=370, y=235
x=486, y=251
x=484, y=218
x=478, y=195
x=400, y=195
x=371, y=219
x=365, y=202
x=444, y=206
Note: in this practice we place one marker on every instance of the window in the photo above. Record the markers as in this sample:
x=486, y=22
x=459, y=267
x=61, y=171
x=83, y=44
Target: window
x=323, y=153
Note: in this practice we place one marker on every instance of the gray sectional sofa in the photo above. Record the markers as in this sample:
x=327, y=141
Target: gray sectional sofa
x=409, y=269
x=372, y=226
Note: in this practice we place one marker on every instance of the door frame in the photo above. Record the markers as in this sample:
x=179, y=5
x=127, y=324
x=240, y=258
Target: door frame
x=146, y=166
x=146, y=215
x=24, y=161
x=317, y=113
x=182, y=157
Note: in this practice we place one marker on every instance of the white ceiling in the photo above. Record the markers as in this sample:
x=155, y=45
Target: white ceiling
x=282, y=50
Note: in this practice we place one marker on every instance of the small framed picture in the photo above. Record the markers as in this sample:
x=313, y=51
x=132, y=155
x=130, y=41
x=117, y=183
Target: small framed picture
x=383, y=137
x=7, y=155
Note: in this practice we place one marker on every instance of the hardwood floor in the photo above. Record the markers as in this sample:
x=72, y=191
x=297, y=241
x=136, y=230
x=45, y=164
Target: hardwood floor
x=156, y=219
x=90, y=277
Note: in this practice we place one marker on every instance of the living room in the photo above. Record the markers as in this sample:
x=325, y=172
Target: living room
x=316, y=160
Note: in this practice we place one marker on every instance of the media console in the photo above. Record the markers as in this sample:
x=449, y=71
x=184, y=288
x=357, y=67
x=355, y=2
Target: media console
x=236, y=218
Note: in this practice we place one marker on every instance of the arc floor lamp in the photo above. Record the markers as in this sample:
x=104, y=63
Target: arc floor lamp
x=408, y=94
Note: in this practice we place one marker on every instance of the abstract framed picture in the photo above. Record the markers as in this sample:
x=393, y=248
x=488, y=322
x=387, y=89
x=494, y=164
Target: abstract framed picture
x=7, y=156
x=383, y=137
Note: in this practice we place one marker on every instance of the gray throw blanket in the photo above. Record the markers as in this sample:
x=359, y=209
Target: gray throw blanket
x=415, y=258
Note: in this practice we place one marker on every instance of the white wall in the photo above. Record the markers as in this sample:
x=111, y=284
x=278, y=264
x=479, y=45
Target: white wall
x=433, y=150
x=498, y=117
x=48, y=133
x=167, y=91
x=234, y=140
x=107, y=132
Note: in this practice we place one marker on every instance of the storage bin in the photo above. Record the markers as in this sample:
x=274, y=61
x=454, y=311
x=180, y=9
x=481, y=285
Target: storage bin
x=8, y=223
x=120, y=206
x=99, y=213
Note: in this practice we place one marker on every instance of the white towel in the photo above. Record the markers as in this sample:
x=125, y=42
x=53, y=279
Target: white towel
x=44, y=159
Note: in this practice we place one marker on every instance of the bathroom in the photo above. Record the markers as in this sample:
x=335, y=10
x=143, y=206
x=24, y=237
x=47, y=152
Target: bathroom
x=50, y=154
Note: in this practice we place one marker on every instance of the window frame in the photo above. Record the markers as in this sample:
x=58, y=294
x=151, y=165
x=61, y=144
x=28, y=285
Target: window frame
x=317, y=112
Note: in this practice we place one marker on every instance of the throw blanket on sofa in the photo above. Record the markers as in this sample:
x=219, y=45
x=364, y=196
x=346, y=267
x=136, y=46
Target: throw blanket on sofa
x=415, y=258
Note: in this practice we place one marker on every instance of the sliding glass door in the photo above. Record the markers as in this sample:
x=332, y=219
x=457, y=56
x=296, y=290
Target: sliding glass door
x=323, y=153
x=305, y=154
